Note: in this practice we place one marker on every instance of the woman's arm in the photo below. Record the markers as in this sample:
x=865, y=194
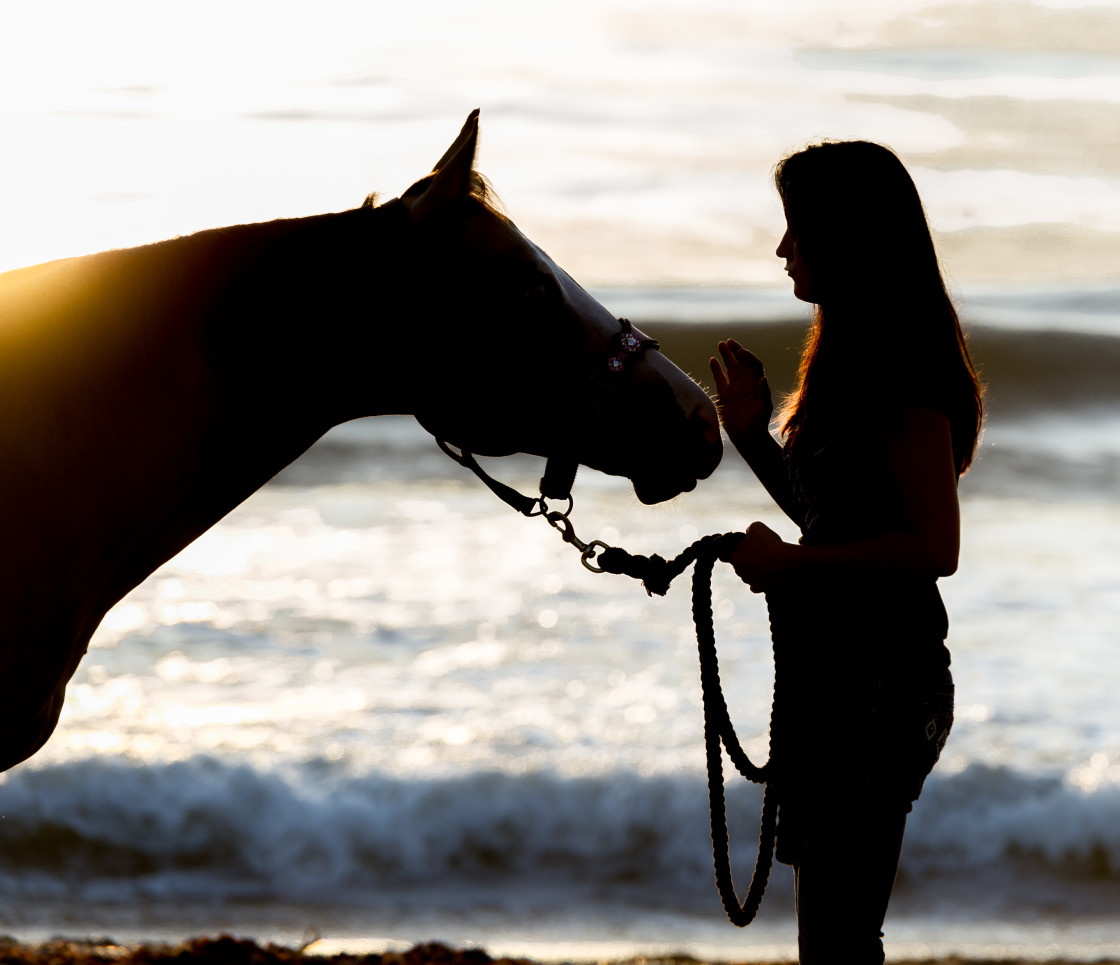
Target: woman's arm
x=927, y=542
x=745, y=408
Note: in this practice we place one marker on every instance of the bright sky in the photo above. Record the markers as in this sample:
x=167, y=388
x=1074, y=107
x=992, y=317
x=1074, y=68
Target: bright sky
x=633, y=140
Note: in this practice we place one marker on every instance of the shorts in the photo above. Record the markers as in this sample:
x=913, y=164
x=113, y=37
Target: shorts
x=871, y=744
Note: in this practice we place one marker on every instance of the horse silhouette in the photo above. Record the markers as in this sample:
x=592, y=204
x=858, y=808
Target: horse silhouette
x=146, y=392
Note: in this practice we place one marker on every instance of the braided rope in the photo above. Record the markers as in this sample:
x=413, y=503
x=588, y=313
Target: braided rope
x=656, y=575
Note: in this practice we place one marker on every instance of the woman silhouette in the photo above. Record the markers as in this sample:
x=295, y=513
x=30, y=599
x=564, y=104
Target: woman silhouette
x=881, y=424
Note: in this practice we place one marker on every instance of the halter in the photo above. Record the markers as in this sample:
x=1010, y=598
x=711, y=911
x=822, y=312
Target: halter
x=628, y=345
x=560, y=468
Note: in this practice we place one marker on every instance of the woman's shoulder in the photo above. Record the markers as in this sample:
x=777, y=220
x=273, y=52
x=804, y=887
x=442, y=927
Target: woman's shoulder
x=918, y=388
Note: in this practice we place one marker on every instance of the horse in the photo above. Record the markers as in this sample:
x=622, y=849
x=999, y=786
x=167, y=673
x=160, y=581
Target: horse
x=145, y=392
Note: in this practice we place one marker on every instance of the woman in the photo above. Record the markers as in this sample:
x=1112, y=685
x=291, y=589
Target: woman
x=882, y=422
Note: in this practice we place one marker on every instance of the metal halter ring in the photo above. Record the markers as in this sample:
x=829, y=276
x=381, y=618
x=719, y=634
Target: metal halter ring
x=544, y=511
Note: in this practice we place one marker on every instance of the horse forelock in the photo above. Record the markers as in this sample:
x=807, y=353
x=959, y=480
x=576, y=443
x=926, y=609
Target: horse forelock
x=481, y=190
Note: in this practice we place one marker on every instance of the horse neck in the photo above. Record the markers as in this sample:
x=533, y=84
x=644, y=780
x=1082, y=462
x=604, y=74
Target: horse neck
x=175, y=379
x=311, y=314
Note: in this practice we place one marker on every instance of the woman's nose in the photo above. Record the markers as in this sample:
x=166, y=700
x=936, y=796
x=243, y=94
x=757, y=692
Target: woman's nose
x=783, y=249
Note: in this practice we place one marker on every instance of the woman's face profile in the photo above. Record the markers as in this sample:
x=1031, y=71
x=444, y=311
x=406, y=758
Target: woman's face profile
x=796, y=268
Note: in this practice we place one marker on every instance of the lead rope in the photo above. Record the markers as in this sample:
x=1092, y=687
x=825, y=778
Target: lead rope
x=656, y=574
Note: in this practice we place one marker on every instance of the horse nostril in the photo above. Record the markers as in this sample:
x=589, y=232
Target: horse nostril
x=714, y=453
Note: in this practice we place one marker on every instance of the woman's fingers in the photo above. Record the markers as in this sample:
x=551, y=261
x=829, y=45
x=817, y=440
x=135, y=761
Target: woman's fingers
x=748, y=360
x=718, y=376
x=731, y=351
x=740, y=360
x=727, y=353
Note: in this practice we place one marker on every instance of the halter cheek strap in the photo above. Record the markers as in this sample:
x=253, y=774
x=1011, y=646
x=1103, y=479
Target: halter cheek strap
x=629, y=344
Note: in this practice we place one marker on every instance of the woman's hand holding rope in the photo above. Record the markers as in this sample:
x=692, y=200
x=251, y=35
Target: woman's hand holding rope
x=762, y=560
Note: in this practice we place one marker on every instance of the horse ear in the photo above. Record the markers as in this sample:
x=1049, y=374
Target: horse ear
x=468, y=137
x=452, y=179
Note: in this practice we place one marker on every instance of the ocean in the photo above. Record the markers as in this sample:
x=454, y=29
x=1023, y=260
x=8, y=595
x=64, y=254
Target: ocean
x=375, y=706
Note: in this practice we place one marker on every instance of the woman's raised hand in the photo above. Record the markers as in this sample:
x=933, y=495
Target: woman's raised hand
x=742, y=393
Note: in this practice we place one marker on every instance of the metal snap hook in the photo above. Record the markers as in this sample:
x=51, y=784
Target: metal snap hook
x=560, y=521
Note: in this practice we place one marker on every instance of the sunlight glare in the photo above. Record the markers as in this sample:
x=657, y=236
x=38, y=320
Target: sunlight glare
x=125, y=140
x=125, y=617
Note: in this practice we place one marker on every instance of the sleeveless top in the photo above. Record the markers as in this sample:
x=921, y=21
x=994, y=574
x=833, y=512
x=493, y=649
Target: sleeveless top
x=861, y=626
x=863, y=693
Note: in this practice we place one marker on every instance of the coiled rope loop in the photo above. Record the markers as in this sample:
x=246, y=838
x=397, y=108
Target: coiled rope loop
x=656, y=574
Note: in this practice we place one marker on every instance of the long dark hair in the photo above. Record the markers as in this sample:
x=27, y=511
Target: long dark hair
x=885, y=332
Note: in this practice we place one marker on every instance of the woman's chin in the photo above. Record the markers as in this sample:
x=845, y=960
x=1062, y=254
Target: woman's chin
x=804, y=293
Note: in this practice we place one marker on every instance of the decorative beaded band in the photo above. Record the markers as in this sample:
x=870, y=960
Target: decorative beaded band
x=631, y=341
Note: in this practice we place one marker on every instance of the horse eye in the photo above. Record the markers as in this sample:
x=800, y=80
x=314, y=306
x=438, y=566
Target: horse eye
x=541, y=291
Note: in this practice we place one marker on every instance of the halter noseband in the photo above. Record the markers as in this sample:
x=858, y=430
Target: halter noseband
x=560, y=468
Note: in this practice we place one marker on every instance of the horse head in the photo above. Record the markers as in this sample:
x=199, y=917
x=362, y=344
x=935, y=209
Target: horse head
x=534, y=365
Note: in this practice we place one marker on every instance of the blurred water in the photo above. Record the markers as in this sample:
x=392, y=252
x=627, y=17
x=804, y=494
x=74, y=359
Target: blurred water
x=374, y=695
x=374, y=699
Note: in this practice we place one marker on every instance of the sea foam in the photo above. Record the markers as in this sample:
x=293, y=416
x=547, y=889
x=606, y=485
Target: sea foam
x=317, y=834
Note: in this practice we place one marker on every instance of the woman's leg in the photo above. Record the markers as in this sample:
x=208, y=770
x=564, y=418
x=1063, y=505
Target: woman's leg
x=848, y=856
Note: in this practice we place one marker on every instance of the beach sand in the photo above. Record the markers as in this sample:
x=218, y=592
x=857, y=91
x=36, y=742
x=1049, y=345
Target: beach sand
x=226, y=950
